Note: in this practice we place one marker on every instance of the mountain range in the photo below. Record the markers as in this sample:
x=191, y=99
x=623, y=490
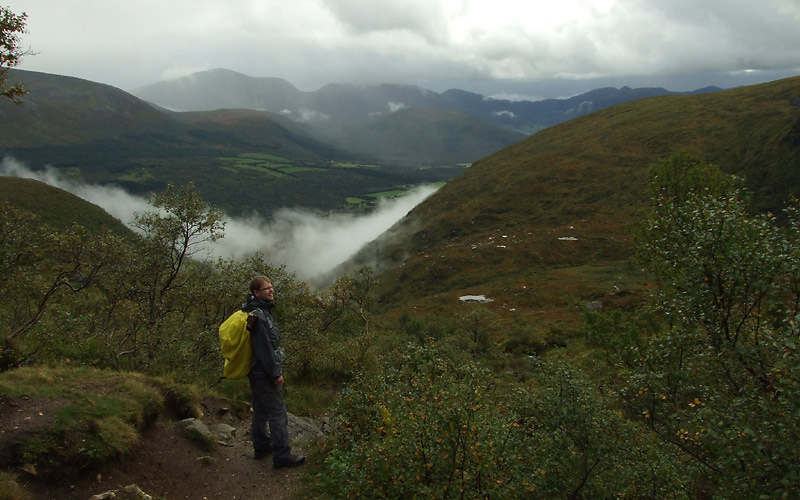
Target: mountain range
x=338, y=105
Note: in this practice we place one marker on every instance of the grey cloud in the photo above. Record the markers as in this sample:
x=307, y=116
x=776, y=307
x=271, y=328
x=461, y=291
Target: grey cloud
x=421, y=17
x=424, y=42
x=714, y=35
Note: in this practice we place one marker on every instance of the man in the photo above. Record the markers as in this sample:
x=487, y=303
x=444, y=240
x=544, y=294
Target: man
x=266, y=378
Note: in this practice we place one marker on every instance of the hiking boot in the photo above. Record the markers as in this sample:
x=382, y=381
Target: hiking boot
x=290, y=461
x=258, y=455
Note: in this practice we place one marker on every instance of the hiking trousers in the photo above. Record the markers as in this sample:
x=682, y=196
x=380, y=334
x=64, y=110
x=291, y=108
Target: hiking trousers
x=268, y=407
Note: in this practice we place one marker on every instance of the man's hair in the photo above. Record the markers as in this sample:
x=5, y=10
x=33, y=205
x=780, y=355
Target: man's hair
x=258, y=282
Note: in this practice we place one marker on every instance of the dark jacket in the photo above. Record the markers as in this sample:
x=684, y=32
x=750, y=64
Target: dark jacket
x=265, y=340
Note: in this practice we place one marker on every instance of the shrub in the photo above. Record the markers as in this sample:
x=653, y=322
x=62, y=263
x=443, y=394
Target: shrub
x=716, y=379
x=422, y=426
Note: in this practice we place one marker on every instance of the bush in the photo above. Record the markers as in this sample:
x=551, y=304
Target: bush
x=717, y=378
x=424, y=427
x=428, y=425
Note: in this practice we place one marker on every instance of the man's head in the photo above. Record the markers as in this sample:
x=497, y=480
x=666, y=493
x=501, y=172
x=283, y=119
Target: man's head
x=261, y=288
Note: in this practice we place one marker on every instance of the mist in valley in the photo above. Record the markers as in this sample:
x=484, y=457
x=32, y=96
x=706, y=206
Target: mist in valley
x=309, y=244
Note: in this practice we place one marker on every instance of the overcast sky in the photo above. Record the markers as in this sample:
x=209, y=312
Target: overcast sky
x=551, y=48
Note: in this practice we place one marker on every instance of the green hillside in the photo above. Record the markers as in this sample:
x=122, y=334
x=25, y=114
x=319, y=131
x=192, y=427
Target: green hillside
x=543, y=227
x=56, y=207
x=60, y=110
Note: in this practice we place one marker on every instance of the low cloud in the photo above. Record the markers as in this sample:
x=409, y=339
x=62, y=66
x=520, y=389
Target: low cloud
x=311, y=244
x=306, y=115
x=504, y=113
x=308, y=244
x=515, y=97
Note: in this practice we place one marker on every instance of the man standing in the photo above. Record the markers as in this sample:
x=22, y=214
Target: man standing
x=266, y=378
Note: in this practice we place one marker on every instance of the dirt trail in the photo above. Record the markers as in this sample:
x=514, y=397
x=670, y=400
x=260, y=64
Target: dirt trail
x=169, y=465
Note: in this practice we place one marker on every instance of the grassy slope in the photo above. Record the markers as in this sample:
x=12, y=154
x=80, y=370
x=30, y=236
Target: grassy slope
x=496, y=229
x=58, y=208
x=69, y=112
x=60, y=110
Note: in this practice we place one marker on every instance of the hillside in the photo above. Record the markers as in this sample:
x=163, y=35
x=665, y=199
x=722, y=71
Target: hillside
x=56, y=207
x=255, y=129
x=218, y=89
x=543, y=227
x=60, y=110
x=66, y=112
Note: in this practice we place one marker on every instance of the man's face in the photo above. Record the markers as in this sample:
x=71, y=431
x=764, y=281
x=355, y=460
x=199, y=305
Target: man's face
x=266, y=292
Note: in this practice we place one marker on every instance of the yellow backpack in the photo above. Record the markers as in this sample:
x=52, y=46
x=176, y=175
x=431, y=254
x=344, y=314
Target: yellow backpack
x=234, y=338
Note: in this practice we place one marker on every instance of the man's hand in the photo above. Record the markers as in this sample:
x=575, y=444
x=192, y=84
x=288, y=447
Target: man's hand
x=279, y=380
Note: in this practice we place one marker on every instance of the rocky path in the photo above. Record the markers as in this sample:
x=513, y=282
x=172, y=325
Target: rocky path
x=170, y=464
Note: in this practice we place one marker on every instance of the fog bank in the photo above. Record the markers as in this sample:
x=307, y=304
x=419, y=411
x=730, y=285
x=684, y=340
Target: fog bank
x=308, y=244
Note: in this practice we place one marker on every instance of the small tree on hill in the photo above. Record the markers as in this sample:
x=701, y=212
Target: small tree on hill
x=172, y=236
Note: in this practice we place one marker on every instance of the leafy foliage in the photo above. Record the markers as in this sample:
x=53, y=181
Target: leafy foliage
x=12, y=26
x=430, y=424
x=421, y=427
x=38, y=265
x=717, y=380
x=577, y=444
x=692, y=398
x=153, y=302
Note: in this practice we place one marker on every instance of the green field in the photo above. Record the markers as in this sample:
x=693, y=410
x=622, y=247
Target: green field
x=387, y=194
x=290, y=169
